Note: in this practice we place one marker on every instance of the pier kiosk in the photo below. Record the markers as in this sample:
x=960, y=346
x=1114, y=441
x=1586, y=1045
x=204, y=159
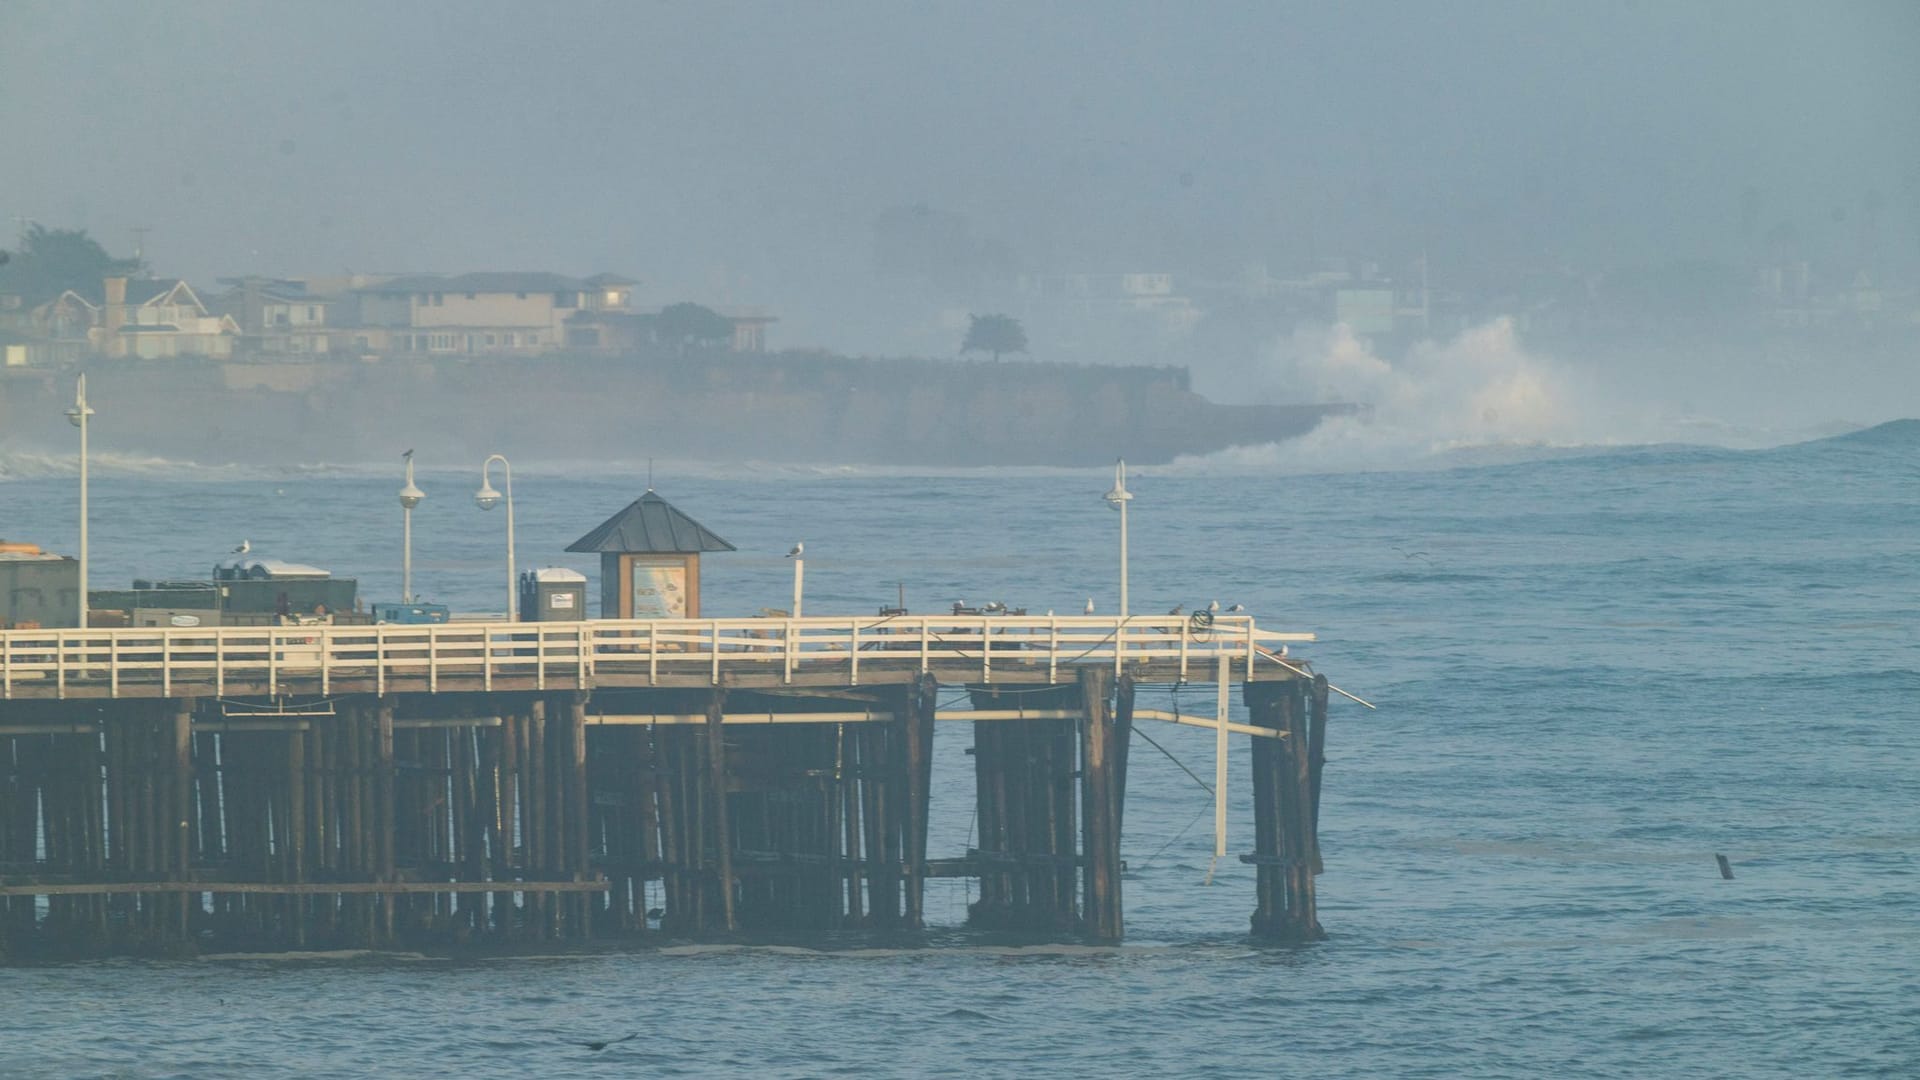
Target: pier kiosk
x=650, y=560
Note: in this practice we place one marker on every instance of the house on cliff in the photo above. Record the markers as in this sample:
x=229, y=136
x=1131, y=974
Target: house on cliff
x=145, y=318
x=155, y=318
x=481, y=313
x=626, y=331
x=512, y=313
x=278, y=319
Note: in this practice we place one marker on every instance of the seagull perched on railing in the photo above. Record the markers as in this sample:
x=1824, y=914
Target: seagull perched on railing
x=1237, y=609
x=1177, y=609
x=1214, y=607
x=799, y=549
x=1089, y=605
x=245, y=546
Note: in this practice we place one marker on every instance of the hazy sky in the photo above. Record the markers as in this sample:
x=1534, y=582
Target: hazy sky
x=741, y=152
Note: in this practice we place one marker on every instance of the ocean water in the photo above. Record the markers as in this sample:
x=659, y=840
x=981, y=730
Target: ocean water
x=1595, y=669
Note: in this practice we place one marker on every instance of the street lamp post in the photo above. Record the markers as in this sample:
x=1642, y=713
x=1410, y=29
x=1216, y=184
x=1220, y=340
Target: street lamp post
x=486, y=499
x=410, y=497
x=1118, y=498
x=799, y=575
x=77, y=416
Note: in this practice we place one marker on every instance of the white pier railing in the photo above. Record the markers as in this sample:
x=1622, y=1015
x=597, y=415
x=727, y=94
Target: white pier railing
x=148, y=662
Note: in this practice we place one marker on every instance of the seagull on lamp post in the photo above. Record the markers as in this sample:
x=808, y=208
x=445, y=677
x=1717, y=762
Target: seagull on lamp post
x=799, y=549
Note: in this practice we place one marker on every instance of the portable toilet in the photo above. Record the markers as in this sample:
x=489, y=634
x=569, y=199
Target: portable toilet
x=650, y=560
x=553, y=594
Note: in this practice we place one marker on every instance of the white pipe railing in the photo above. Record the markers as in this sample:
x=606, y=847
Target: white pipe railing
x=138, y=661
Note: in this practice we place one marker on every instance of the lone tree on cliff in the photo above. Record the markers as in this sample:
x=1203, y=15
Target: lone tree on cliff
x=994, y=334
x=684, y=324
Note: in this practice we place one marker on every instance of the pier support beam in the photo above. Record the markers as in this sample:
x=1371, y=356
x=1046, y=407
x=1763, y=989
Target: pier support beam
x=1029, y=815
x=916, y=739
x=1286, y=845
x=180, y=813
x=1100, y=829
x=721, y=833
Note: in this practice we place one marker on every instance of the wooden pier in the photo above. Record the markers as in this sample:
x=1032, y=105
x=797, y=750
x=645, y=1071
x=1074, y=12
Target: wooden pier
x=311, y=786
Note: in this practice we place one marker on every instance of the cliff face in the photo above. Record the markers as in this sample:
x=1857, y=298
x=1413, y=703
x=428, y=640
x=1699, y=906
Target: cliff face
x=724, y=407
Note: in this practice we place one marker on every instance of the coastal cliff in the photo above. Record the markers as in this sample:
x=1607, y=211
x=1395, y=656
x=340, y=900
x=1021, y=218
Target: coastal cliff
x=805, y=407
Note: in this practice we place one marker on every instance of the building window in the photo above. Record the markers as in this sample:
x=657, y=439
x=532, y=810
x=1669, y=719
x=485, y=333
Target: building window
x=313, y=313
x=519, y=296
x=439, y=299
x=566, y=299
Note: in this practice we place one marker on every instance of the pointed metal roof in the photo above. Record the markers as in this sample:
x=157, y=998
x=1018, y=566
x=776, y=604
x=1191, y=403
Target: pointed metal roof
x=650, y=525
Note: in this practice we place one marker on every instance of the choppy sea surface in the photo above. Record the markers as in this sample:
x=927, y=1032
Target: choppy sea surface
x=1595, y=670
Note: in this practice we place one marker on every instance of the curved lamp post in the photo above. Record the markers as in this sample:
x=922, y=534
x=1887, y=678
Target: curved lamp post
x=1118, y=498
x=77, y=416
x=486, y=499
x=410, y=497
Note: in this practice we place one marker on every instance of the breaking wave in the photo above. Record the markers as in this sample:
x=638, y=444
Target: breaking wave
x=1479, y=398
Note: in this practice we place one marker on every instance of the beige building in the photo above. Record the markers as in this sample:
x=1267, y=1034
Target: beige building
x=481, y=313
x=159, y=317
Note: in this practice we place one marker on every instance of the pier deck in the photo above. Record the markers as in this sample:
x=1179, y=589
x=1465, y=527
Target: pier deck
x=310, y=785
x=225, y=661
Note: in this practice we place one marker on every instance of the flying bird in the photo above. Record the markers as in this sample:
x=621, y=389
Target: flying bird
x=799, y=549
x=245, y=546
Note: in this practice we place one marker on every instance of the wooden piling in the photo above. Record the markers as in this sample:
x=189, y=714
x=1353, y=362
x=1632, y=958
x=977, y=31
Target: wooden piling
x=1099, y=803
x=577, y=812
x=722, y=836
x=1285, y=839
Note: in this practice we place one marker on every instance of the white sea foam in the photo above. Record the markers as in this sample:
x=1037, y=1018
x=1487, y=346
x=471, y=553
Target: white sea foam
x=1484, y=397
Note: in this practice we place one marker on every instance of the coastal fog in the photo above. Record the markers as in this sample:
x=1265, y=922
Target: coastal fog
x=1493, y=223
